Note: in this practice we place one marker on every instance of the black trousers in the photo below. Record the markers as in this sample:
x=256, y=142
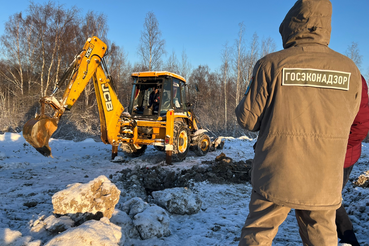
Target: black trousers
x=345, y=229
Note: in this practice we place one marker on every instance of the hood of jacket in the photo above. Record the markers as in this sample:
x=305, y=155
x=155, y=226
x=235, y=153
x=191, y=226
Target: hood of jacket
x=307, y=22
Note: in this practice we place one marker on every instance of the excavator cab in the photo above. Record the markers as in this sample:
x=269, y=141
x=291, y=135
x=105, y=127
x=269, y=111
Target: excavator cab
x=154, y=93
x=145, y=99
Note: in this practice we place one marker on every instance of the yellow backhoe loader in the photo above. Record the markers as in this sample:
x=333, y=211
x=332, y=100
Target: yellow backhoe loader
x=158, y=113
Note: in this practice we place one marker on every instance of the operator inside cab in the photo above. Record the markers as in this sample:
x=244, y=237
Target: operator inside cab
x=154, y=100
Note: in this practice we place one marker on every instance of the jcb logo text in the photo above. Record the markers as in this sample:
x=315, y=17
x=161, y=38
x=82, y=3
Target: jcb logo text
x=107, y=98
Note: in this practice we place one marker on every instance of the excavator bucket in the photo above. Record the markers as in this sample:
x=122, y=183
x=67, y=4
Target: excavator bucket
x=38, y=131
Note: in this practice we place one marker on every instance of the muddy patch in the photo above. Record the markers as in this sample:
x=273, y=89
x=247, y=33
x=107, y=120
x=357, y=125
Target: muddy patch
x=222, y=170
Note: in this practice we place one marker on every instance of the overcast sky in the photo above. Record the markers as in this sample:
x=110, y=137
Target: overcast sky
x=202, y=28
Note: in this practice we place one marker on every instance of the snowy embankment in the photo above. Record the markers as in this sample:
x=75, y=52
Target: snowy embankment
x=29, y=180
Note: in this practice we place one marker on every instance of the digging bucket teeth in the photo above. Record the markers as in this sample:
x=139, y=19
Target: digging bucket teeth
x=38, y=131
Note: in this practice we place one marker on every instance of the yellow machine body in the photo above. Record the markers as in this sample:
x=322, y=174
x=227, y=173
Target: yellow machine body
x=172, y=130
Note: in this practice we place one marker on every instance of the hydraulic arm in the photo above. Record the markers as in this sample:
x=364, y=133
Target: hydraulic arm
x=89, y=63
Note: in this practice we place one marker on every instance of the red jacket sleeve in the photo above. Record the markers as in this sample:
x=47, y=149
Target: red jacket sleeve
x=359, y=129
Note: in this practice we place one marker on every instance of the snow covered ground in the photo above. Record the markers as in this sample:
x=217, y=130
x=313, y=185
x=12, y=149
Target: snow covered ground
x=29, y=180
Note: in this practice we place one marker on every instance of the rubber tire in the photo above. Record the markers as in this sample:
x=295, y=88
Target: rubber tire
x=181, y=143
x=132, y=151
x=202, y=146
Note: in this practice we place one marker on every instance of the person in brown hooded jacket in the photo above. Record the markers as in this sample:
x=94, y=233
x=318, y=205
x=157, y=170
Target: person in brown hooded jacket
x=303, y=101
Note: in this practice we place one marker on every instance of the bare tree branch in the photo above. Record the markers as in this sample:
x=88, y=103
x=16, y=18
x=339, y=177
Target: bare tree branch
x=353, y=53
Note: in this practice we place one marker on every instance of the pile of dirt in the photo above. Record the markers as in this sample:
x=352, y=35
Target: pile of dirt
x=222, y=170
x=363, y=180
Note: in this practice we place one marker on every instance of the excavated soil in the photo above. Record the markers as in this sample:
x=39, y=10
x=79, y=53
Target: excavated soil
x=222, y=170
x=363, y=180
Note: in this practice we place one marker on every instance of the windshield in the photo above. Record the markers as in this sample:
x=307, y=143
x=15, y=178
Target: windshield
x=156, y=96
x=145, y=98
x=176, y=94
x=166, y=105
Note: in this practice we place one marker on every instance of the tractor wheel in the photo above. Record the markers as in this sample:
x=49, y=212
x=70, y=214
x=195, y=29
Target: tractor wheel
x=133, y=150
x=202, y=146
x=180, y=141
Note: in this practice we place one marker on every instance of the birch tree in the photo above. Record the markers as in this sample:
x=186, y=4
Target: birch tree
x=172, y=64
x=185, y=66
x=239, y=55
x=119, y=69
x=199, y=85
x=13, y=47
x=30, y=53
x=2, y=102
x=250, y=59
x=225, y=74
x=353, y=53
x=93, y=24
x=267, y=46
x=52, y=23
x=185, y=71
x=152, y=46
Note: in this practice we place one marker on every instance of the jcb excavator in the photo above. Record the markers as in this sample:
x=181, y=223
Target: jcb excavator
x=158, y=113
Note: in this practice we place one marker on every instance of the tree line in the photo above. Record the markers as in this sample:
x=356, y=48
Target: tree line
x=38, y=47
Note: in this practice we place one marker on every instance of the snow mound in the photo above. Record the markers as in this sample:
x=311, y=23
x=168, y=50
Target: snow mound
x=90, y=233
x=179, y=200
x=99, y=195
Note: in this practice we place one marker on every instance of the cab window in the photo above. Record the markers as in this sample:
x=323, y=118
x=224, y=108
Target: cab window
x=166, y=98
x=176, y=94
x=142, y=93
x=183, y=92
